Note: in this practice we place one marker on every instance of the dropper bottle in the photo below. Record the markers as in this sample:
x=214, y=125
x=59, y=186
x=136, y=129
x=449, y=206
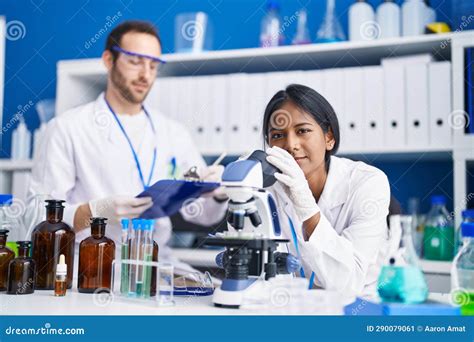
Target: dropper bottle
x=60, y=284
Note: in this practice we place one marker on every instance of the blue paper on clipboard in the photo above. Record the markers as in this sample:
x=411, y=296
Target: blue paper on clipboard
x=169, y=196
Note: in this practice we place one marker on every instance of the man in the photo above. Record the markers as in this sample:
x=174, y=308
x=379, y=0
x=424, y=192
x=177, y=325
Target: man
x=99, y=156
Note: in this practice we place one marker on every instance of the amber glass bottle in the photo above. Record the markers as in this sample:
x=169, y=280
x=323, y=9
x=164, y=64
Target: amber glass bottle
x=51, y=238
x=21, y=271
x=6, y=255
x=96, y=254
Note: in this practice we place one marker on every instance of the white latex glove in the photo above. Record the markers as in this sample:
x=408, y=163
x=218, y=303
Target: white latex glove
x=294, y=182
x=213, y=173
x=117, y=207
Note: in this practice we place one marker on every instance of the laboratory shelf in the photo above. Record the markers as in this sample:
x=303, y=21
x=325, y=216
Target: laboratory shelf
x=15, y=165
x=437, y=267
x=299, y=57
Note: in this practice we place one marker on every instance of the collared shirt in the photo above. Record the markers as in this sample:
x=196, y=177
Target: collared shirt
x=347, y=248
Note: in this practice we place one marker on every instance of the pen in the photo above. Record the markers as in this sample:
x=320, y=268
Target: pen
x=219, y=159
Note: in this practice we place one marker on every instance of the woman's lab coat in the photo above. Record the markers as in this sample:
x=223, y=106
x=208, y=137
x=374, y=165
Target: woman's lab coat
x=347, y=247
x=85, y=156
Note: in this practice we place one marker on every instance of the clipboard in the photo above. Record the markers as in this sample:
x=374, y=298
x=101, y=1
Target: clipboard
x=170, y=195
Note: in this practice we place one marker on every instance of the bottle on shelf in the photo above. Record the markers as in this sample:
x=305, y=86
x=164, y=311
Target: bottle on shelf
x=413, y=17
x=302, y=31
x=430, y=16
x=388, y=17
x=21, y=141
x=467, y=216
x=362, y=25
x=50, y=239
x=21, y=271
x=96, y=255
x=271, y=32
x=462, y=272
x=330, y=30
x=6, y=255
x=438, y=237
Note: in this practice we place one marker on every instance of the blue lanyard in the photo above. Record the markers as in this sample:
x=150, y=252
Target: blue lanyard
x=295, y=240
x=135, y=156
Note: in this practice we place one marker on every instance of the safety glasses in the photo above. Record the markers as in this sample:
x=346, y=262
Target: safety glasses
x=136, y=60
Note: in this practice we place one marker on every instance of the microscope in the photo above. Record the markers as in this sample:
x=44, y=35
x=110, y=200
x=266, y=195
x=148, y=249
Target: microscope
x=253, y=232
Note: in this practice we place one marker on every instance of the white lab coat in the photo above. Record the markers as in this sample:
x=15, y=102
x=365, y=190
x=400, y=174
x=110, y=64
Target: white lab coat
x=347, y=247
x=85, y=156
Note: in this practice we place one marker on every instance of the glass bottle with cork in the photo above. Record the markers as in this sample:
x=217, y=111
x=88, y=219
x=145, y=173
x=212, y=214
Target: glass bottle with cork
x=21, y=271
x=6, y=255
x=96, y=255
x=50, y=239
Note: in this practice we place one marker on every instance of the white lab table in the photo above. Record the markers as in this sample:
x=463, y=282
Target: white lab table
x=75, y=303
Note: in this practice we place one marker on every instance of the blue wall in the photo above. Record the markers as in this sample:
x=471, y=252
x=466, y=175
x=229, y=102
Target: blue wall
x=59, y=29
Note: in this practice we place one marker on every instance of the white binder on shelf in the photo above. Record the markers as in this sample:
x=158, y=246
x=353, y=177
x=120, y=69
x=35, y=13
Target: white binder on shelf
x=275, y=81
x=202, y=118
x=395, y=112
x=440, y=105
x=374, y=107
x=333, y=91
x=257, y=102
x=218, y=96
x=314, y=80
x=293, y=77
x=236, y=112
x=187, y=112
x=354, y=107
x=416, y=85
x=162, y=97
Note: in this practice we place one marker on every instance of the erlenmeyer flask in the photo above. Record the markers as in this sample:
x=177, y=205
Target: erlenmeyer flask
x=330, y=30
x=402, y=279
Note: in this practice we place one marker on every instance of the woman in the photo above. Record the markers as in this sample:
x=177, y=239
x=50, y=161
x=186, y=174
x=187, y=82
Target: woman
x=332, y=209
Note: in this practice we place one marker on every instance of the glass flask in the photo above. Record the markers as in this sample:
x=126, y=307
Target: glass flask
x=6, y=255
x=402, y=279
x=50, y=239
x=438, y=237
x=96, y=255
x=462, y=272
x=330, y=30
x=21, y=271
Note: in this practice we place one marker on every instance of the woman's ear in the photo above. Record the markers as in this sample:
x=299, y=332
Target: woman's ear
x=330, y=141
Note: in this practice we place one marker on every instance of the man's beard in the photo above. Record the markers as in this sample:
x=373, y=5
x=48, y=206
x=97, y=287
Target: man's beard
x=119, y=82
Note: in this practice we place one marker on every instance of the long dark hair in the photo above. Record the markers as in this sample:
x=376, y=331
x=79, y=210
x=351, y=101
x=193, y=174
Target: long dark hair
x=311, y=102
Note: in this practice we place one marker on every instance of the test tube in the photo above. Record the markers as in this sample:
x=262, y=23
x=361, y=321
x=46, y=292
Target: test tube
x=165, y=284
x=124, y=281
x=134, y=255
x=147, y=256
